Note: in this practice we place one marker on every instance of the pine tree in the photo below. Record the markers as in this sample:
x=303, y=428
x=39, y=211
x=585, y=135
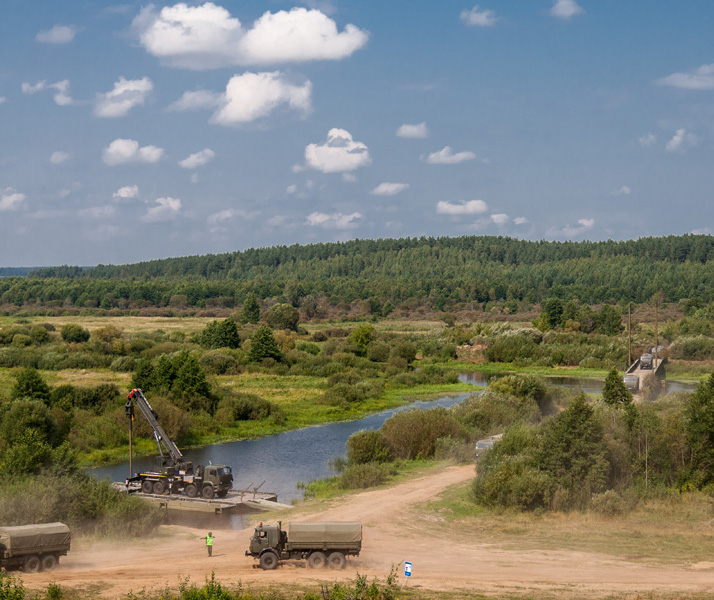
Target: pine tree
x=614, y=391
x=263, y=345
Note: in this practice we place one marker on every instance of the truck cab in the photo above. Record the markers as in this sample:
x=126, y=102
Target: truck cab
x=267, y=537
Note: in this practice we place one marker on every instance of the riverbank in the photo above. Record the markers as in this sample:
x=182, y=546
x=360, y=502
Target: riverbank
x=297, y=397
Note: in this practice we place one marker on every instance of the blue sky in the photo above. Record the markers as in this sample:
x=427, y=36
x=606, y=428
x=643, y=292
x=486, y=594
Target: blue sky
x=131, y=131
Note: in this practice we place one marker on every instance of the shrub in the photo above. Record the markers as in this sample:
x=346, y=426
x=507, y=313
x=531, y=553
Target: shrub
x=450, y=449
x=363, y=476
x=21, y=340
x=308, y=347
x=123, y=364
x=609, y=503
x=217, y=362
x=243, y=407
x=413, y=433
x=283, y=316
x=74, y=333
x=693, y=348
x=368, y=446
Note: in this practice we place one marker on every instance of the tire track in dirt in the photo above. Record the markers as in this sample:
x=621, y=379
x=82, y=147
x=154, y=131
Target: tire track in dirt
x=394, y=530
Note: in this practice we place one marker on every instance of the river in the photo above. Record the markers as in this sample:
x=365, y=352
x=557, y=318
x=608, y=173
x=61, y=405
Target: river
x=284, y=459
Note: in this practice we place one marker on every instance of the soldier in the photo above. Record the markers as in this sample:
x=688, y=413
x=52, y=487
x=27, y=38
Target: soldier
x=209, y=543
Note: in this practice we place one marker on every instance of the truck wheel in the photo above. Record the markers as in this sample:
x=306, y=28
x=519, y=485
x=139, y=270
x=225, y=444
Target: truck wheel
x=316, y=560
x=32, y=564
x=222, y=493
x=159, y=487
x=207, y=491
x=49, y=562
x=191, y=490
x=147, y=486
x=268, y=561
x=336, y=560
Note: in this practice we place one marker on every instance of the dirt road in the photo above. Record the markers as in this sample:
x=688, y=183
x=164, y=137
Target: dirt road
x=394, y=531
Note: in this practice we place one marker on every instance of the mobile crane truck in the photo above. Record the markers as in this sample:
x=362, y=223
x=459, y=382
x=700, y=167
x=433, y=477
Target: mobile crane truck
x=171, y=473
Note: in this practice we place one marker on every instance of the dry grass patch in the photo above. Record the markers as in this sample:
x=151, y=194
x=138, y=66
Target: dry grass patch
x=676, y=529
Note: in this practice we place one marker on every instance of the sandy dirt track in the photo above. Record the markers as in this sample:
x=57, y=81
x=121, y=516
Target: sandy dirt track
x=394, y=531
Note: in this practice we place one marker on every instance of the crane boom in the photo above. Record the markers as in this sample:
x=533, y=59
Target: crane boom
x=159, y=434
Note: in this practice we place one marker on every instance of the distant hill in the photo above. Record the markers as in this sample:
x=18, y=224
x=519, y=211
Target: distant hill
x=440, y=271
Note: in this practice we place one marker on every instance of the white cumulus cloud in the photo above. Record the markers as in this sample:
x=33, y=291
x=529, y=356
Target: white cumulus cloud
x=128, y=192
x=647, y=139
x=197, y=100
x=478, y=17
x=57, y=158
x=58, y=34
x=61, y=97
x=446, y=156
x=165, y=209
x=11, y=199
x=623, y=191
x=520, y=220
x=334, y=220
x=198, y=159
x=127, y=94
x=122, y=151
x=572, y=230
x=389, y=189
x=681, y=140
x=565, y=9
x=698, y=79
x=3, y=99
x=251, y=96
x=338, y=154
x=418, y=130
x=471, y=207
x=207, y=36
x=500, y=218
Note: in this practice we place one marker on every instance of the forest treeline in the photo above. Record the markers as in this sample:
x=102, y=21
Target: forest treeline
x=443, y=272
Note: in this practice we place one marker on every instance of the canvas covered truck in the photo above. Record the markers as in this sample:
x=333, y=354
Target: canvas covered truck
x=322, y=544
x=33, y=547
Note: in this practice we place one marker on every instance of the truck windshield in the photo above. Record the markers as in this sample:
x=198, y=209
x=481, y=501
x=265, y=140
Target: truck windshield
x=224, y=471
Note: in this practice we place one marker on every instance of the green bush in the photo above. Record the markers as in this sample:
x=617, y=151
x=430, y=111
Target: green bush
x=73, y=333
x=609, y=503
x=362, y=476
x=218, y=362
x=368, y=446
x=123, y=364
x=457, y=450
x=413, y=433
x=699, y=347
x=243, y=407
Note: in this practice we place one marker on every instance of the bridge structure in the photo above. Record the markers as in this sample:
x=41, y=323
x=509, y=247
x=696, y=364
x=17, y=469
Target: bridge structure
x=636, y=370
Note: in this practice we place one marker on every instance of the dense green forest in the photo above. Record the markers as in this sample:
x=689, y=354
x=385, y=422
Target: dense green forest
x=444, y=273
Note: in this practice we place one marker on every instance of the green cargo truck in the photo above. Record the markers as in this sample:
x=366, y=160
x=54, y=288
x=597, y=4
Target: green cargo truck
x=33, y=547
x=322, y=544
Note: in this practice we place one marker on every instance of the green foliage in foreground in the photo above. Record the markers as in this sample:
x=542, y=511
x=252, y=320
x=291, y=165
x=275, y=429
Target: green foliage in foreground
x=82, y=502
x=12, y=588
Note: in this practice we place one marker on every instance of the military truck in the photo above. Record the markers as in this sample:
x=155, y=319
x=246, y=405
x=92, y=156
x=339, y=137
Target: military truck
x=646, y=361
x=33, y=547
x=322, y=544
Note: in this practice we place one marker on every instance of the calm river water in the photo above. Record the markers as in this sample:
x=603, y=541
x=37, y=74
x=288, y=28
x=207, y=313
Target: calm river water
x=284, y=459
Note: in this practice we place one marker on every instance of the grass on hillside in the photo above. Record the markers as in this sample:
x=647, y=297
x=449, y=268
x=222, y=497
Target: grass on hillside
x=675, y=529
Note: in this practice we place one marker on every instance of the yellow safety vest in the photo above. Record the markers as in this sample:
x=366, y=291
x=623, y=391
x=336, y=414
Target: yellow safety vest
x=209, y=540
